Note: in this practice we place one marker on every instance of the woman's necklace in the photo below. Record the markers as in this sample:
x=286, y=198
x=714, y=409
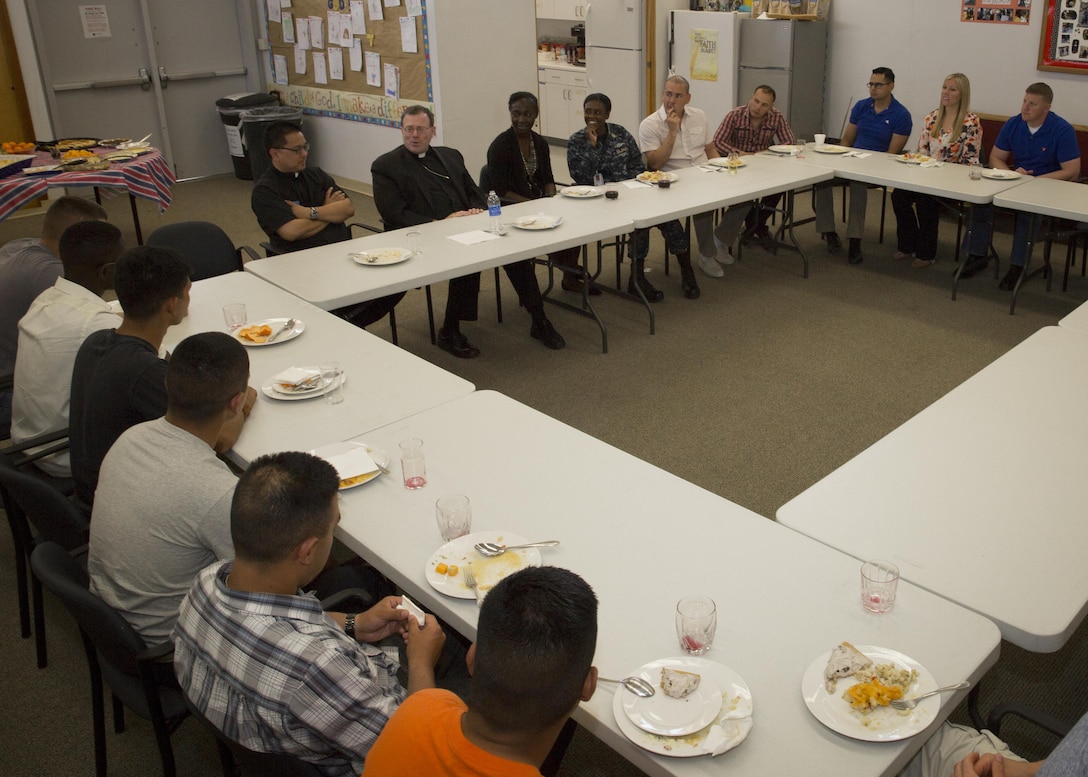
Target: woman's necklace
x=530, y=163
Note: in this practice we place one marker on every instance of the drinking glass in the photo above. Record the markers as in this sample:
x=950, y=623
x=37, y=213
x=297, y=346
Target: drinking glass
x=333, y=376
x=975, y=173
x=234, y=315
x=696, y=622
x=412, y=464
x=415, y=242
x=801, y=148
x=879, y=580
x=454, y=516
x=734, y=162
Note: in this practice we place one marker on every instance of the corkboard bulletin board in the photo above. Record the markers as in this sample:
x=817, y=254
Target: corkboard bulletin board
x=353, y=98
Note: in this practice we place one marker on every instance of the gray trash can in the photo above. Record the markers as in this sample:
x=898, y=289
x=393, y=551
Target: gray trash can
x=254, y=124
x=230, y=113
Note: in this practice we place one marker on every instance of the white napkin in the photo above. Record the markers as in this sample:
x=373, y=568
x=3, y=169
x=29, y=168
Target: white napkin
x=474, y=237
x=353, y=462
x=858, y=154
x=294, y=376
x=413, y=609
x=633, y=184
x=932, y=163
x=725, y=735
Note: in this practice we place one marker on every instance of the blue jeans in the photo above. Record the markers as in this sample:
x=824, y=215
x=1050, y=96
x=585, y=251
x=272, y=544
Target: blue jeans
x=982, y=228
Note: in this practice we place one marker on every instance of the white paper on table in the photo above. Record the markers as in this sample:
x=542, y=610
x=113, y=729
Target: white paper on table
x=279, y=64
x=373, y=68
x=353, y=462
x=317, y=32
x=303, y=34
x=320, y=73
x=392, y=81
x=336, y=63
x=474, y=237
x=413, y=7
x=273, y=10
x=374, y=7
x=408, y=34
x=288, y=21
x=358, y=17
x=633, y=184
x=355, y=55
x=300, y=60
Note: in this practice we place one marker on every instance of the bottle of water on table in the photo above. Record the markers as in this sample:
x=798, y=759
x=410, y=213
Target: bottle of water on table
x=494, y=211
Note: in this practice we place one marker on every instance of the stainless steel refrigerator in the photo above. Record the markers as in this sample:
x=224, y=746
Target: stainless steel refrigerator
x=789, y=56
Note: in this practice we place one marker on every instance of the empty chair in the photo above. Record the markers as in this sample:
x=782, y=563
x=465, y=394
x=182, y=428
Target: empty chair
x=206, y=247
x=140, y=678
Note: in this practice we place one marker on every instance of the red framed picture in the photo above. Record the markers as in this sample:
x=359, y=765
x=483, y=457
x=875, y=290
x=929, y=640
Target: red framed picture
x=1063, y=44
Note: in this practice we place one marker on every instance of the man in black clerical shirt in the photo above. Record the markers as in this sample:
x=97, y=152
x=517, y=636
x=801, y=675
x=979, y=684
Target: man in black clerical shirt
x=301, y=207
x=417, y=183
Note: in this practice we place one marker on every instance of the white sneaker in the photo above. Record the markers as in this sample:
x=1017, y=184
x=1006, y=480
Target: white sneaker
x=711, y=267
x=725, y=255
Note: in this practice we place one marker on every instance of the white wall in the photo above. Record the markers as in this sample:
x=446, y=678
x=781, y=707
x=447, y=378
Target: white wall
x=923, y=41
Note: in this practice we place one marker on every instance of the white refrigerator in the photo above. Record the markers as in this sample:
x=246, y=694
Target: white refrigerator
x=615, y=57
x=706, y=42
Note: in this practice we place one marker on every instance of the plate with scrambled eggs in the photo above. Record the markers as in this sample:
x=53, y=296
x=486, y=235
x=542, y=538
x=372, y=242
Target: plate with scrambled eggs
x=858, y=708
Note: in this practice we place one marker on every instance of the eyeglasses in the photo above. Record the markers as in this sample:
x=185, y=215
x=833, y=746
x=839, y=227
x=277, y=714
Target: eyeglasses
x=877, y=84
x=294, y=149
x=415, y=130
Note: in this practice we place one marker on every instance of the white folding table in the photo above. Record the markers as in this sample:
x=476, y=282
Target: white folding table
x=643, y=538
x=383, y=382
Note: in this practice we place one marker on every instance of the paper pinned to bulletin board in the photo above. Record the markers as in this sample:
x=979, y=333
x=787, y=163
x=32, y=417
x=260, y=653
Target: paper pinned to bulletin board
x=391, y=39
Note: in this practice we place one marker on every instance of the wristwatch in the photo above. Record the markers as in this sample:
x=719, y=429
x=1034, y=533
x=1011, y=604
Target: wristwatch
x=349, y=625
x=313, y=214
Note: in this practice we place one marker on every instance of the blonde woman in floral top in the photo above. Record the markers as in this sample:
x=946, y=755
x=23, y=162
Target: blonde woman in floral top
x=952, y=134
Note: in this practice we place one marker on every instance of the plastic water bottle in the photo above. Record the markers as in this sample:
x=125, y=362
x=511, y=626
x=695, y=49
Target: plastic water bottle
x=494, y=211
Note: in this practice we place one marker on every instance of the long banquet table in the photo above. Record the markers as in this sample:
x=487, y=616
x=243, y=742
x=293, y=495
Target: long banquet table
x=383, y=382
x=979, y=497
x=643, y=538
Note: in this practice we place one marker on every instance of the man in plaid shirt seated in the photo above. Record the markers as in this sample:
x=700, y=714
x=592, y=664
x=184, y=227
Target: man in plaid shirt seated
x=750, y=129
x=262, y=661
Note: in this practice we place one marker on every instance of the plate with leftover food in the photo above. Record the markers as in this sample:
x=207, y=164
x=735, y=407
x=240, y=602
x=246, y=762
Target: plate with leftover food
x=381, y=256
x=688, y=679
x=784, y=149
x=313, y=384
x=911, y=158
x=446, y=565
x=831, y=148
x=723, y=161
x=356, y=462
x=849, y=690
x=1000, y=175
x=539, y=221
x=657, y=176
x=582, y=192
x=258, y=334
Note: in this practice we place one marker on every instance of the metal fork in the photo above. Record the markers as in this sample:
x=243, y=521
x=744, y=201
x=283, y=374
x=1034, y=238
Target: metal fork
x=469, y=577
x=909, y=704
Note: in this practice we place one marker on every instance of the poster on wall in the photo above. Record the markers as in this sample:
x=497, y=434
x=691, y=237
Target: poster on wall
x=1063, y=45
x=997, y=11
x=704, y=55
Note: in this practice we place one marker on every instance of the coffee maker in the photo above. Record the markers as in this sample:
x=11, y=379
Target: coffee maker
x=578, y=32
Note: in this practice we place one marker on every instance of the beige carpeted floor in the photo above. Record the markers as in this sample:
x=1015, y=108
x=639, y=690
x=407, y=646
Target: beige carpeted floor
x=755, y=391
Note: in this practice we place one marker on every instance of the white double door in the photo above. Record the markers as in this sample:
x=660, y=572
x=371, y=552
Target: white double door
x=126, y=68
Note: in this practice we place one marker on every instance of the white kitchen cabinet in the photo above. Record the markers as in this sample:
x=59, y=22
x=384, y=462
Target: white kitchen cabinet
x=561, y=108
x=545, y=9
x=575, y=10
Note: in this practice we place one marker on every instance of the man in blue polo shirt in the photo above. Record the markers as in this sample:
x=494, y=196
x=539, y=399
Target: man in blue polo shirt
x=1037, y=143
x=879, y=123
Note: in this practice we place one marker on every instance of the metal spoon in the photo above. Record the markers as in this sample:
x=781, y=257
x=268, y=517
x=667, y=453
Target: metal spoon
x=494, y=549
x=635, y=685
x=909, y=704
x=289, y=325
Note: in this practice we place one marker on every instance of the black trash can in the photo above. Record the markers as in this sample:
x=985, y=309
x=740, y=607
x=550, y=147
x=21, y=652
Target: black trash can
x=254, y=124
x=230, y=113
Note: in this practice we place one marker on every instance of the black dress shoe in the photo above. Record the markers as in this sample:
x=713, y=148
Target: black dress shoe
x=854, y=256
x=573, y=284
x=834, y=245
x=1008, y=283
x=649, y=291
x=690, y=289
x=974, y=265
x=457, y=344
x=545, y=333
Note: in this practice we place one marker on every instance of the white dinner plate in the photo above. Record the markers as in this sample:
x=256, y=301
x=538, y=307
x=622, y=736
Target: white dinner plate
x=1001, y=175
x=582, y=192
x=723, y=161
x=539, y=221
x=829, y=148
x=353, y=469
x=461, y=551
x=381, y=256
x=881, y=725
x=43, y=170
x=734, y=718
x=268, y=388
x=913, y=159
x=784, y=149
x=661, y=714
x=653, y=178
x=276, y=324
